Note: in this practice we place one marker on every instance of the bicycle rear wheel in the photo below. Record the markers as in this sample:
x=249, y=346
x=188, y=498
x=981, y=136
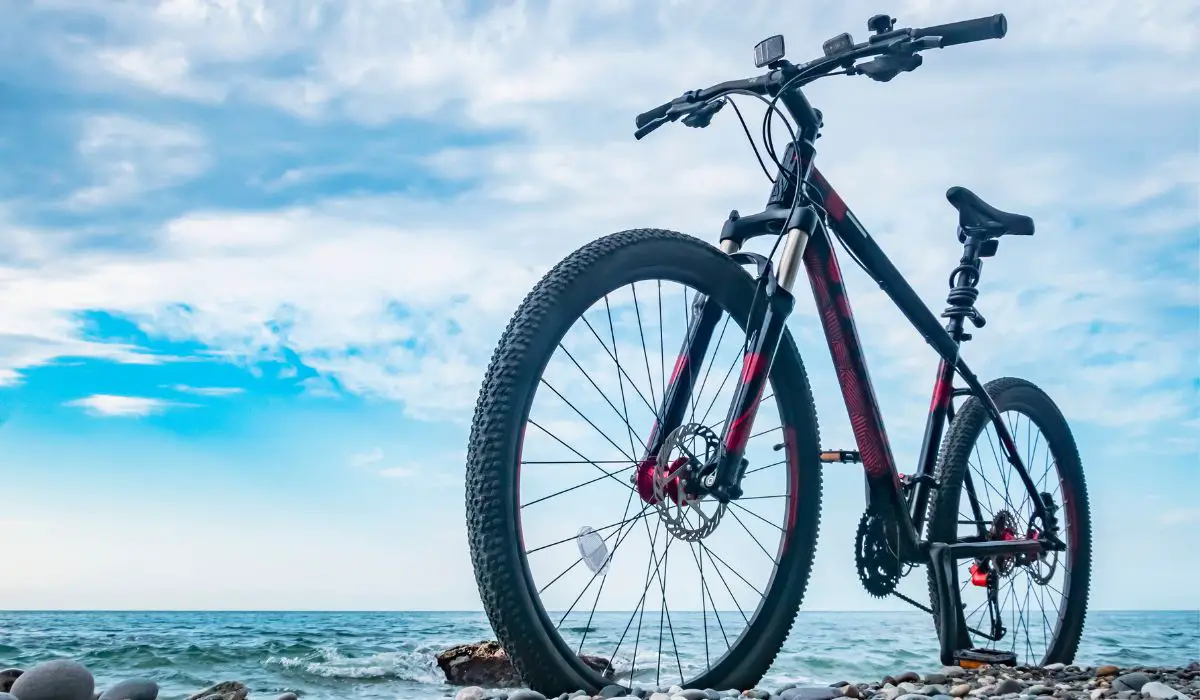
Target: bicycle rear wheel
x=570, y=593
x=1042, y=603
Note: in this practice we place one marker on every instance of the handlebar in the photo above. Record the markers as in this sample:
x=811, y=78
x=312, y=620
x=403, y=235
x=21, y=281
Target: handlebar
x=967, y=31
x=897, y=49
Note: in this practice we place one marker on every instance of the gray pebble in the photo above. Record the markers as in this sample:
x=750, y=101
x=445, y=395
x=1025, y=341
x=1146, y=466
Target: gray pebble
x=612, y=691
x=288, y=696
x=1009, y=686
x=133, y=689
x=1161, y=691
x=954, y=671
x=911, y=696
x=692, y=694
x=934, y=690
x=811, y=692
x=61, y=679
x=526, y=694
x=941, y=697
x=758, y=694
x=936, y=678
x=659, y=696
x=1131, y=681
x=471, y=692
x=1038, y=689
x=1054, y=667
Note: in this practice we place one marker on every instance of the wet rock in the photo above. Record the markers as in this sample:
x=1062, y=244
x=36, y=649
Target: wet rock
x=616, y=691
x=960, y=690
x=757, y=694
x=1038, y=689
x=907, y=677
x=526, y=694
x=936, y=678
x=7, y=677
x=1055, y=667
x=225, y=690
x=1009, y=685
x=133, y=689
x=1161, y=691
x=288, y=696
x=811, y=692
x=1130, y=681
x=471, y=692
x=659, y=696
x=55, y=680
x=851, y=691
x=954, y=671
x=689, y=694
x=486, y=664
x=1107, y=671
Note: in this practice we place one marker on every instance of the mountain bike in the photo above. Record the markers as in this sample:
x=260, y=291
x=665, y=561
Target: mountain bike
x=695, y=478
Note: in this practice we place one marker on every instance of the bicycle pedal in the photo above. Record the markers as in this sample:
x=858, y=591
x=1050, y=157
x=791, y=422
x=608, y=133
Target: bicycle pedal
x=843, y=456
x=974, y=658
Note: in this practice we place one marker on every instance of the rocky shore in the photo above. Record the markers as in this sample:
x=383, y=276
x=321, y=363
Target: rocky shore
x=1020, y=683
x=484, y=664
x=66, y=680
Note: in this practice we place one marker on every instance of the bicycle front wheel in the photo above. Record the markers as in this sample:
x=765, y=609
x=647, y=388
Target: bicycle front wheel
x=587, y=579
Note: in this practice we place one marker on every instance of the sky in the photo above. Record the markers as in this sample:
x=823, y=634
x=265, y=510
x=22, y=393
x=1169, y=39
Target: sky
x=255, y=256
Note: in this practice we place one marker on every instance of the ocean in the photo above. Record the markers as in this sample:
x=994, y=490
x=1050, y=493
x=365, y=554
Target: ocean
x=390, y=655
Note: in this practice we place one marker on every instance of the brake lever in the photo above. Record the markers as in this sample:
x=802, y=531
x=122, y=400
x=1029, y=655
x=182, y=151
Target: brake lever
x=702, y=117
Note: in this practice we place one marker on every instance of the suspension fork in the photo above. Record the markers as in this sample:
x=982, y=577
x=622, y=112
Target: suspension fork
x=773, y=303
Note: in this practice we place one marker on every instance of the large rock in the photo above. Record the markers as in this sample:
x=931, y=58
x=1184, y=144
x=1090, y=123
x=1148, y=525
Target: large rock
x=225, y=690
x=61, y=679
x=486, y=664
x=134, y=689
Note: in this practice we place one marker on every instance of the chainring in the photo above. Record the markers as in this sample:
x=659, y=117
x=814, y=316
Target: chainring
x=878, y=564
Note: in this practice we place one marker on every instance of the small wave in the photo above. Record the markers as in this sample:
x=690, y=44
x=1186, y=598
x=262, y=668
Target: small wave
x=328, y=662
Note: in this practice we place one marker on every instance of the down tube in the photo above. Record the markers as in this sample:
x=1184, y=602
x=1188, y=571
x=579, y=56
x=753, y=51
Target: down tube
x=833, y=306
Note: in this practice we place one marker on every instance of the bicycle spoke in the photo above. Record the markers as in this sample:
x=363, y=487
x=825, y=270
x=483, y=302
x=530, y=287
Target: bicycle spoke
x=597, y=466
x=589, y=482
x=587, y=420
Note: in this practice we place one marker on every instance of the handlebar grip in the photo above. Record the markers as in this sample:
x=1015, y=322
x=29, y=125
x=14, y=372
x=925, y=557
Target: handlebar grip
x=657, y=113
x=981, y=29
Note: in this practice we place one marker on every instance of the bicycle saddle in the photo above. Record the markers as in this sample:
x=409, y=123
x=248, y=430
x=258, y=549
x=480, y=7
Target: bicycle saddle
x=975, y=213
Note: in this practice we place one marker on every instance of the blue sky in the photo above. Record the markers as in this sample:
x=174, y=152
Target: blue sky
x=255, y=255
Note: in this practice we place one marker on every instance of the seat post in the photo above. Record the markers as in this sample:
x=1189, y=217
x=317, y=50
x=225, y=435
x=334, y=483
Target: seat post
x=964, y=281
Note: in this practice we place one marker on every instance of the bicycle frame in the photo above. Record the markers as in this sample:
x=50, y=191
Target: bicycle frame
x=810, y=244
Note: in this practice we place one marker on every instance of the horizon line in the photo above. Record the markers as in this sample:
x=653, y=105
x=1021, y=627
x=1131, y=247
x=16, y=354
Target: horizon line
x=452, y=611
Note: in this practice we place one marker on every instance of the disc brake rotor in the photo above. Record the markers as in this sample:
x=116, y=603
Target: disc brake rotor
x=686, y=516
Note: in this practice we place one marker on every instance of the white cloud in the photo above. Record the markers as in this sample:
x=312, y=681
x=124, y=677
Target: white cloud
x=207, y=390
x=128, y=157
x=1180, y=516
x=397, y=472
x=363, y=459
x=569, y=78
x=113, y=406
